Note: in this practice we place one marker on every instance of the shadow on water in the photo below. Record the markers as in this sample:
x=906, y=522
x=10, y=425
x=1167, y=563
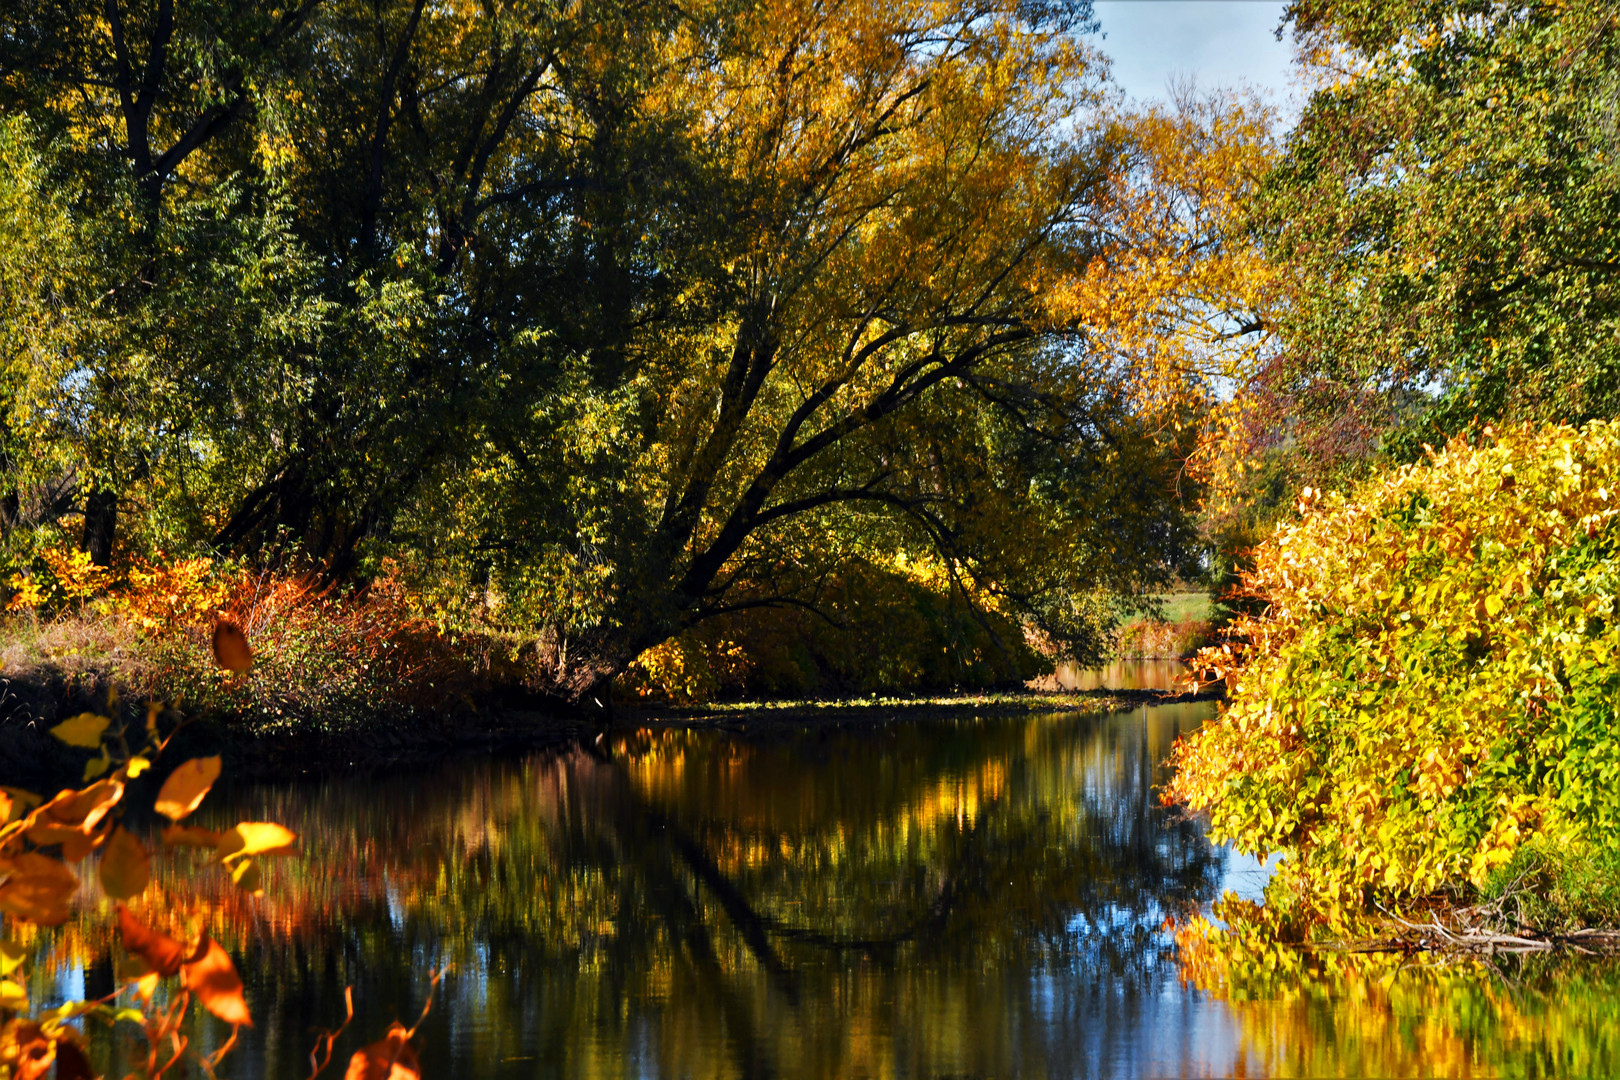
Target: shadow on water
x=934, y=898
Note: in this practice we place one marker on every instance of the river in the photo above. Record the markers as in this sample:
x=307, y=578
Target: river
x=966, y=898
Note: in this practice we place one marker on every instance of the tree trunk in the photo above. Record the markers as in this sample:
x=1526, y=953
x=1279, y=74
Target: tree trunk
x=100, y=524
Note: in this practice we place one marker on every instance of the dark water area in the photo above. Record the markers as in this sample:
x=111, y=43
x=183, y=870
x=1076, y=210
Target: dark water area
x=986, y=898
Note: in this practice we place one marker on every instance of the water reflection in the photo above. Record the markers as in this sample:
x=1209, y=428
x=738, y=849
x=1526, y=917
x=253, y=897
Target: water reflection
x=942, y=898
x=1118, y=675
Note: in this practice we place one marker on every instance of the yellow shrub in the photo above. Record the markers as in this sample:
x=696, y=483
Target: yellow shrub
x=1436, y=678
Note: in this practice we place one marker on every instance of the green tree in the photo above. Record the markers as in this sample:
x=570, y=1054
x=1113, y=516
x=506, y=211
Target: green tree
x=1445, y=221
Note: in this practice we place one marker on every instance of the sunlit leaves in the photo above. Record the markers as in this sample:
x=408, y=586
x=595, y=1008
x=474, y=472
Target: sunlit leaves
x=211, y=976
x=256, y=838
x=125, y=866
x=186, y=787
x=1432, y=682
x=83, y=730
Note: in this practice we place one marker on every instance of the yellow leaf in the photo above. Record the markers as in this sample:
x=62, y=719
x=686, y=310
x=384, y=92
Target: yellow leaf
x=83, y=730
x=135, y=766
x=96, y=766
x=248, y=877
x=125, y=867
x=256, y=838
x=186, y=786
x=11, y=956
x=13, y=998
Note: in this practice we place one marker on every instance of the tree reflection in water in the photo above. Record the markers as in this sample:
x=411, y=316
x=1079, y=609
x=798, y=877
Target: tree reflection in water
x=921, y=899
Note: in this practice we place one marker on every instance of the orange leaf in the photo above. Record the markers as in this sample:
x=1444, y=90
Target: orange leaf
x=35, y=1053
x=231, y=647
x=212, y=977
x=186, y=786
x=125, y=867
x=37, y=888
x=81, y=810
x=190, y=836
x=389, y=1059
x=162, y=953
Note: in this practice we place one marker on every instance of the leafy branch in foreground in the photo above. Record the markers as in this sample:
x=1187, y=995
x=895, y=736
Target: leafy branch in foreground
x=165, y=971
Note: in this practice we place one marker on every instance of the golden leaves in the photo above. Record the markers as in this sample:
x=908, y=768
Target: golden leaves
x=84, y=730
x=1419, y=686
x=125, y=868
x=390, y=1058
x=185, y=788
x=205, y=969
x=213, y=978
x=37, y=888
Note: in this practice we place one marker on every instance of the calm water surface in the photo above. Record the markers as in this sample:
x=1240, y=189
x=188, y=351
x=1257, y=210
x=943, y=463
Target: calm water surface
x=988, y=898
x=1119, y=675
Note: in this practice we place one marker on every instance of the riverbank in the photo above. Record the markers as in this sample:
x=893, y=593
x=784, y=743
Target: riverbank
x=389, y=734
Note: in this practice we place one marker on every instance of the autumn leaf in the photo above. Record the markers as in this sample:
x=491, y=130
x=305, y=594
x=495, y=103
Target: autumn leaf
x=391, y=1058
x=37, y=888
x=185, y=788
x=25, y=1043
x=190, y=836
x=212, y=977
x=231, y=647
x=248, y=877
x=13, y=998
x=11, y=956
x=162, y=953
x=83, y=730
x=125, y=867
x=256, y=838
x=83, y=809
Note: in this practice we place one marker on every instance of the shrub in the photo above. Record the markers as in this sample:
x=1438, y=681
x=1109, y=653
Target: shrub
x=1162, y=639
x=1433, y=681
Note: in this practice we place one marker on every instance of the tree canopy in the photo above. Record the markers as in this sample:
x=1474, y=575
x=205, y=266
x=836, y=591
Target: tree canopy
x=1444, y=218
x=596, y=319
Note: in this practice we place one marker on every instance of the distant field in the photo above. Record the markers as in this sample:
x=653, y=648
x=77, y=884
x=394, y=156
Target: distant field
x=1181, y=607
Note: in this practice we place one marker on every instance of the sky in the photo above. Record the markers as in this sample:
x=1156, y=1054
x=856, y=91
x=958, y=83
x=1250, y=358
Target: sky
x=1219, y=42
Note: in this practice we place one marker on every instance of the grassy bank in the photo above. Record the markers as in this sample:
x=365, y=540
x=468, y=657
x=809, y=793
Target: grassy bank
x=1186, y=622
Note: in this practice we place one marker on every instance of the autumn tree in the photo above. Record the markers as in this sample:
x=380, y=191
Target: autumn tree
x=865, y=353
x=600, y=319
x=1445, y=219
